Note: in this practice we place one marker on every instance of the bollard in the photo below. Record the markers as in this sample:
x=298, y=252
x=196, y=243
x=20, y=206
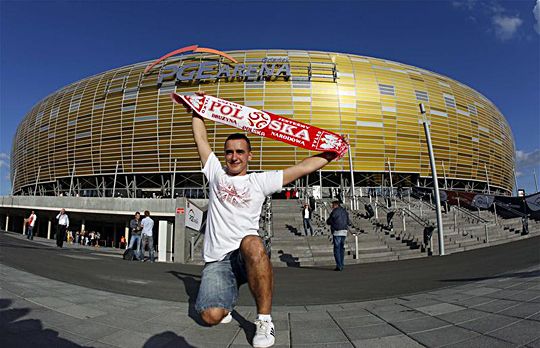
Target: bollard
x=356, y=244
x=376, y=212
x=421, y=209
x=192, y=248
x=404, y=227
x=486, y=230
x=455, y=220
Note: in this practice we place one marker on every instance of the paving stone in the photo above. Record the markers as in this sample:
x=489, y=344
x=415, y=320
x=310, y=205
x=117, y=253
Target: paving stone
x=52, y=338
x=50, y=301
x=496, y=306
x=441, y=308
x=522, y=332
x=325, y=345
x=347, y=313
x=482, y=342
x=534, y=344
x=312, y=324
x=406, y=314
x=126, y=339
x=488, y=323
x=471, y=301
x=400, y=341
x=352, y=322
x=88, y=328
x=462, y=316
x=481, y=291
x=309, y=316
x=372, y=331
x=420, y=324
x=415, y=304
x=312, y=336
x=523, y=310
x=80, y=312
x=443, y=336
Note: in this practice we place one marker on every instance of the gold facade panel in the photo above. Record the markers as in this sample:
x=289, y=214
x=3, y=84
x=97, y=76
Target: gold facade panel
x=93, y=122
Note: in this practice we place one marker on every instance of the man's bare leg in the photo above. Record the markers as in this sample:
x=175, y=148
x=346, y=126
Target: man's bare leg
x=259, y=272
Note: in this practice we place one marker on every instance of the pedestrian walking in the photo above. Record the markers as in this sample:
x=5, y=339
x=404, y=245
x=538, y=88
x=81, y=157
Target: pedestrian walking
x=147, y=236
x=135, y=239
x=306, y=215
x=63, y=224
x=31, y=221
x=339, y=222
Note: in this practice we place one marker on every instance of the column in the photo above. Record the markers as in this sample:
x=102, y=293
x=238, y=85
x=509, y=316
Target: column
x=49, y=224
x=7, y=222
x=162, y=240
x=126, y=235
x=24, y=227
x=82, y=225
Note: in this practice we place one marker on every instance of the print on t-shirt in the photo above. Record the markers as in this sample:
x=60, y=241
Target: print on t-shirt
x=227, y=192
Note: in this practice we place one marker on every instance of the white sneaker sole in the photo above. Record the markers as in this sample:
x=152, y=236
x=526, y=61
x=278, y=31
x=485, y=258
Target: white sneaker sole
x=227, y=319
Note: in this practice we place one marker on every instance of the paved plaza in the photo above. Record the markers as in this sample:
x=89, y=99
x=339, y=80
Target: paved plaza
x=499, y=310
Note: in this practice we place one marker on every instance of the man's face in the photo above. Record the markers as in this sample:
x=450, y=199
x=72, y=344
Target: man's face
x=137, y=216
x=237, y=156
x=63, y=211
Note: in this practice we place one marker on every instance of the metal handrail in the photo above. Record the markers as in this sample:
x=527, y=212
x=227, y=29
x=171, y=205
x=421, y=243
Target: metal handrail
x=512, y=210
x=471, y=215
x=420, y=220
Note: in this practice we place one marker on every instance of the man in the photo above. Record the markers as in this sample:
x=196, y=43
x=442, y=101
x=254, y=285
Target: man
x=63, y=224
x=31, y=223
x=135, y=227
x=306, y=215
x=233, y=251
x=339, y=222
x=147, y=236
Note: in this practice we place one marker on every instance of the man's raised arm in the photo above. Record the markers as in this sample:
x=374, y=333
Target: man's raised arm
x=201, y=138
x=307, y=166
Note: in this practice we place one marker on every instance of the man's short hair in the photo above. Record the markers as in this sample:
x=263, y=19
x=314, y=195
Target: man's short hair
x=137, y=213
x=238, y=136
x=146, y=213
x=335, y=202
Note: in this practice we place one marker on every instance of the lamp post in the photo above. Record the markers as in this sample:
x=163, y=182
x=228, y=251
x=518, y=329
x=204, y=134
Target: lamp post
x=435, y=180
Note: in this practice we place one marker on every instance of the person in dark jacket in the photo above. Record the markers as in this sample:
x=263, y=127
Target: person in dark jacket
x=339, y=222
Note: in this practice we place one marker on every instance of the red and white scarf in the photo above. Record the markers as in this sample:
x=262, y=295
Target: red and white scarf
x=264, y=123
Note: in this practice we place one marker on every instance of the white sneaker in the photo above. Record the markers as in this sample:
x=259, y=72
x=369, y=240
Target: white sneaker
x=227, y=319
x=265, y=334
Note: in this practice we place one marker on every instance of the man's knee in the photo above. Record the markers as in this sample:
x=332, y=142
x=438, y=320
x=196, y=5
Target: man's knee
x=252, y=249
x=213, y=316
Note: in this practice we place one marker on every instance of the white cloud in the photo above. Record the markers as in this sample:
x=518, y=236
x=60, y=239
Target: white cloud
x=506, y=26
x=4, y=156
x=526, y=161
x=536, y=12
x=4, y=164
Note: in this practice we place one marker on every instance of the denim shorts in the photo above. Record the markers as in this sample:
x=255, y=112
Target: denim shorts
x=220, y=282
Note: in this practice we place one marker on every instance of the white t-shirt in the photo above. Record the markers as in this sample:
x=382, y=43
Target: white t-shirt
x=234, y=207
x=147, y=226
x=33, y=217
x=306, y=213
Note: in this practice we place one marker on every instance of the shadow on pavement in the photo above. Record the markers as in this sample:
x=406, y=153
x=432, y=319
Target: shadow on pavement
x=28, y=332
x=167, y=339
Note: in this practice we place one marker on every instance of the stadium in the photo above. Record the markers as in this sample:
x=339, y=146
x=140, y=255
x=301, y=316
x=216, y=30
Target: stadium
x=118, y=133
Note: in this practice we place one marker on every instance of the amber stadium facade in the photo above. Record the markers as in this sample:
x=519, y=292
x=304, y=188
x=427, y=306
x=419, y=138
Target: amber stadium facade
x=118, y=132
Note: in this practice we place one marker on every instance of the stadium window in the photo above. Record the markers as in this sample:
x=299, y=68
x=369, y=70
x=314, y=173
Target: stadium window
x=387, y=89
x=473, y=110
x=72, y=123
x=82, y=135
x=54, y=112
x=128, y=107
x=131, y=93
x=74, y=106
x=449, y=100
x=44, y=128
x=421, y=95
x=145, y=118
x=98, y=106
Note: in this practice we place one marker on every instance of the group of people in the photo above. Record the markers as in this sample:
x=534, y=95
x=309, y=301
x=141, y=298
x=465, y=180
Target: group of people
x=141, y=235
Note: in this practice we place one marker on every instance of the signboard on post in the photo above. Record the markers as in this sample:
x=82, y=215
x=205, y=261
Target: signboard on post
x=194, y=216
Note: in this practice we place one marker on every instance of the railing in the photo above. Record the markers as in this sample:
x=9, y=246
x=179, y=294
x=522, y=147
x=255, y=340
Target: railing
x=470, y=215
x=512, y=210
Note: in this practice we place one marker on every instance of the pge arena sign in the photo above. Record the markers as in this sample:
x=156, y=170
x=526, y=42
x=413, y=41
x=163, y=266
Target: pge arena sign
x=231, y=70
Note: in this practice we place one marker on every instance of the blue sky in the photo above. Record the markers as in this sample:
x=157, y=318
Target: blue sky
x=491, y=46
